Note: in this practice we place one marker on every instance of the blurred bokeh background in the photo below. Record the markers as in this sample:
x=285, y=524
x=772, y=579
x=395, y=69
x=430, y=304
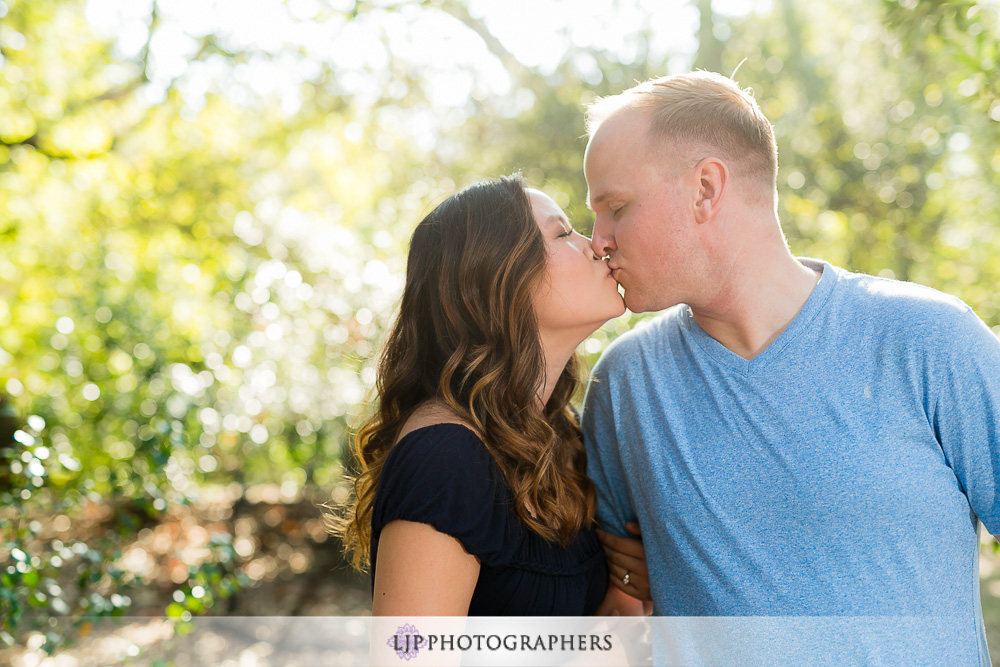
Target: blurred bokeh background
x=204, y=210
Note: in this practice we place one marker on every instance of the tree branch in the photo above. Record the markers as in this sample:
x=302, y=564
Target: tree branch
x=459, y=11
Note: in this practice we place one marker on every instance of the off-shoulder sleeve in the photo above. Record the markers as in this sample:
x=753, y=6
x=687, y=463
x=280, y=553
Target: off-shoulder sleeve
x=443, y=475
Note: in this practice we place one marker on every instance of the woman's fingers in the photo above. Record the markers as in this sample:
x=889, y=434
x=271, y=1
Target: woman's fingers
x=626, y=556
x=636, y=580
x=637, y=586
x=625, y=562
x=624, y=552
x=626, y=545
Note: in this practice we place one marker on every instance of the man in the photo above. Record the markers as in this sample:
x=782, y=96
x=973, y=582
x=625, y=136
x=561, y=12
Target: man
x=794, y=440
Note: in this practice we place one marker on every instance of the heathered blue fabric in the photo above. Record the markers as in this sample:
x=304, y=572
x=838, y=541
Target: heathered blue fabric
x=840, y=472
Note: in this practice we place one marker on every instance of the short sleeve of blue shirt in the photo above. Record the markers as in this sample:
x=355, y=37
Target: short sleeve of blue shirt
x=604, y=464
x=963, y=403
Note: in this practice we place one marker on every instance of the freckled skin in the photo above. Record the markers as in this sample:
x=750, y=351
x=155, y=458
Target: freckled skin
x=644, y=221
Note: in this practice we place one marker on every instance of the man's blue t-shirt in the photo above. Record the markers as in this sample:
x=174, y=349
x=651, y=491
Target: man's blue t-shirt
x=841, y=472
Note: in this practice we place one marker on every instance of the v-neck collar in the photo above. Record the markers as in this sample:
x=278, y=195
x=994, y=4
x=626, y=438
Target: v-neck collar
x=817, y=298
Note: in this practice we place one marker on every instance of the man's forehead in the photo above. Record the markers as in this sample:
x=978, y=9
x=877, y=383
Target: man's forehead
x=623, y=134
x=626, y=123
x=596, y=171
x=619, y=140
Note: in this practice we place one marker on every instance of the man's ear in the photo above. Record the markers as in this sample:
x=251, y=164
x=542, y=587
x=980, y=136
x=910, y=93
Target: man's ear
x=712, y=178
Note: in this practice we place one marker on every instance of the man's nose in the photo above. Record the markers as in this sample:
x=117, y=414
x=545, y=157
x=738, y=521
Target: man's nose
x=602, y=242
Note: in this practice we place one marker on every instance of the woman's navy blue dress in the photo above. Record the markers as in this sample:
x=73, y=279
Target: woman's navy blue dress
x=444, y=476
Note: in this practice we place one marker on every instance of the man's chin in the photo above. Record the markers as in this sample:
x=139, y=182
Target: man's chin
x=636, y=304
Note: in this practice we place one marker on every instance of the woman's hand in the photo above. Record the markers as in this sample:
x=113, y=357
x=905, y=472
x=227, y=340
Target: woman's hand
x=422, y=572
x=616, y=603
x=627, y=556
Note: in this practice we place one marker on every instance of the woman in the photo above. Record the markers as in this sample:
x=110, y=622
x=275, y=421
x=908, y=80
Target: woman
x=473, y=497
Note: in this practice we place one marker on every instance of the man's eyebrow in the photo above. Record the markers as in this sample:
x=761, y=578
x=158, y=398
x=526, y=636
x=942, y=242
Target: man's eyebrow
x=594, y=201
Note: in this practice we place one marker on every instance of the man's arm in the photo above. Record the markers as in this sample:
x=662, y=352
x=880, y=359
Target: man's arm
x=963, y=403
x=604, y=463
x=615, y=507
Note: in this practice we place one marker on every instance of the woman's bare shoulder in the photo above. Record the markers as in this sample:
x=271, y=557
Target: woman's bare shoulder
x=431, y=413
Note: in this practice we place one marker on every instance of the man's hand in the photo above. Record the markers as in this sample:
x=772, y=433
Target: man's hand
x=625, y=555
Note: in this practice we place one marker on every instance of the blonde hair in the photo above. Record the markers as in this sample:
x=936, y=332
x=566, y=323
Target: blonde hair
x=704, y=110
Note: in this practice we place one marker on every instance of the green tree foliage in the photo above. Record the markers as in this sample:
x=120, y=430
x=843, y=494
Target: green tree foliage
x=887, y=150
x=194, y=276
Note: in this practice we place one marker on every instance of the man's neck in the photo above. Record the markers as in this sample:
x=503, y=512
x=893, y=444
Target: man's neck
x=757, y=302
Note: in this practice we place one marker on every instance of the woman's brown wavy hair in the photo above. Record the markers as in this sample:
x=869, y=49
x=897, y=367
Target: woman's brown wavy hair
x=466, y=336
